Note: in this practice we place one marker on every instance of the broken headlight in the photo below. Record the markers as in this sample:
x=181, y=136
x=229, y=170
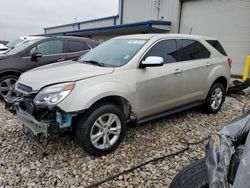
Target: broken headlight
x=52, y=95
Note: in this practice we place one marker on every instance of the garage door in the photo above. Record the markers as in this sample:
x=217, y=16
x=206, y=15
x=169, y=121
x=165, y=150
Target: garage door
x=227, y=20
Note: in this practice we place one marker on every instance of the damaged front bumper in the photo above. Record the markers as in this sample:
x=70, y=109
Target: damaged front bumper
x=40, y=124
x=31, y=127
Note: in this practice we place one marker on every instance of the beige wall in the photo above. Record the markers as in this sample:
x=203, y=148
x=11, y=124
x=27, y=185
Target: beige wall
x=96, y=24
x=59, y=29
x=227, y=20
x=143, y=10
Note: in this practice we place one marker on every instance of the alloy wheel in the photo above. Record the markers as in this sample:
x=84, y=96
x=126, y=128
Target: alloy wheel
x=105, y=131
x=216, y=98
x=7, y=87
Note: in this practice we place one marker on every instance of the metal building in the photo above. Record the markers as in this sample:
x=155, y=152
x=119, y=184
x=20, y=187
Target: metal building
x=227, y=20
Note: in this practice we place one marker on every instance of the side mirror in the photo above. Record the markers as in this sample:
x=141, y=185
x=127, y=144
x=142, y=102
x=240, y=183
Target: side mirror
x=152, y=61
x=35, y=55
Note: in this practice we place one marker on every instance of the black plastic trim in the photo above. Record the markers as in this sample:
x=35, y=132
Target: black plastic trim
x=169, y=112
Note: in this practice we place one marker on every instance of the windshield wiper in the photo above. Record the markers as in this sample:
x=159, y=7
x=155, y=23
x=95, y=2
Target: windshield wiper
x=94, y=63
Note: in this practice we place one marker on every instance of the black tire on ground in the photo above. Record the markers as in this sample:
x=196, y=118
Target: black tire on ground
x=85, y=123
x=2, y=79
x=192, y=176
x=207, y=105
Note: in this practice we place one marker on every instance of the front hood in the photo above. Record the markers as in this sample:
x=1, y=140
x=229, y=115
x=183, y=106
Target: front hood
x=61, y=72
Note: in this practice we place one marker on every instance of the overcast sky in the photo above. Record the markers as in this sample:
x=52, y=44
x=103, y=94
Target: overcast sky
x=26, y=17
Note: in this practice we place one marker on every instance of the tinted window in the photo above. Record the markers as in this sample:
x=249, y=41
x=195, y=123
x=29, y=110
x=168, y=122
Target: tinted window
x=49, y=47
x=75, y=46
x=216, y=44
x=166, y=49
x=192, y=50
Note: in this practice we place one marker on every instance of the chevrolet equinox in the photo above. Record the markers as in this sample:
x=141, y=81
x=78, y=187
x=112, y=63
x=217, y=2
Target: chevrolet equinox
x=128, y=78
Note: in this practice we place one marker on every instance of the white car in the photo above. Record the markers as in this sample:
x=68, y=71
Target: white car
x=3, y=48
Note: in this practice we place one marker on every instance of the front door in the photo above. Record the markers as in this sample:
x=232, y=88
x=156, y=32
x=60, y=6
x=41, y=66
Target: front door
x=52, y=51
x=160, y=88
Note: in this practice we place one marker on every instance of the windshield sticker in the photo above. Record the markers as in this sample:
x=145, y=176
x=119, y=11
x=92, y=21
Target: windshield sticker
x=136, y=42
x=126, y=56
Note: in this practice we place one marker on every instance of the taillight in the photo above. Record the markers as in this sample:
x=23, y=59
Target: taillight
x=229, y=61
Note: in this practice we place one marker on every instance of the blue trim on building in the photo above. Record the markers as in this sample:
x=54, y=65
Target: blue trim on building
x=122, y=7
x=88, y=21
x=133, y=26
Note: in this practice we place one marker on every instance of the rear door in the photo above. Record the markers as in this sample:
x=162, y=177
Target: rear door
x=75, y=49
x=197, y=65
x=160, y=88
x=52, y=51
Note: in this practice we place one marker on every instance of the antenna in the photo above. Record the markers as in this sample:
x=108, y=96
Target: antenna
x=74, y=24
x=190, y=30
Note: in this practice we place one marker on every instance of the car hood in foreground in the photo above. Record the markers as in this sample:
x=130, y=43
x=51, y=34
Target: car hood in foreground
x=61, y=72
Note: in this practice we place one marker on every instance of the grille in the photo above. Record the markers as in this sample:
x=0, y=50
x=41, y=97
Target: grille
x=23, y=88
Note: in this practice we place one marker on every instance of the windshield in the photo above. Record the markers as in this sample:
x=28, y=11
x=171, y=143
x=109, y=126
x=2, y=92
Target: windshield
x=21, y=47
x=13, y=43
x=113, y=53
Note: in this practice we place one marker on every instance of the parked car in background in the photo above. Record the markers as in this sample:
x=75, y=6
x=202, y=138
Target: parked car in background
x=4, y=42
x=3, y=48
x=38, y=52
x=138, y=77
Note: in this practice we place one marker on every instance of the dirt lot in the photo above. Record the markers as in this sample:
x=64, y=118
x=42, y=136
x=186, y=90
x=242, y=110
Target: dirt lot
x=24, y=163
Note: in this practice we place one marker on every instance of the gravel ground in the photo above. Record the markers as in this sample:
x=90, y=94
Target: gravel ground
x=25, y=164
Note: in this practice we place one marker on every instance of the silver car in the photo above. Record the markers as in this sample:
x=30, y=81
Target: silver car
x=129, y=78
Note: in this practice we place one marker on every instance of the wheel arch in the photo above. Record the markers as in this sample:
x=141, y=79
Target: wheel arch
x=10, y=72
x=221, y=80
x=117, y=100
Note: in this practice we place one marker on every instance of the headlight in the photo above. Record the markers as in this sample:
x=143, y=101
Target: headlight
x=52, y=95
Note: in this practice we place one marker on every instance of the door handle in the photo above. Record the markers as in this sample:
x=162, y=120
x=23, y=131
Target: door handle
x=60, y=59
x=177, y=71
x=208, y=64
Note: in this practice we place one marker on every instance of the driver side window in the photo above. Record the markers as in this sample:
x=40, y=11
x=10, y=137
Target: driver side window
x=49, y=47
x=167, y=49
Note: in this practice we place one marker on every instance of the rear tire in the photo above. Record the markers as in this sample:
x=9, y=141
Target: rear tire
x=192, y=176
x=215, y=98
x=100, y=130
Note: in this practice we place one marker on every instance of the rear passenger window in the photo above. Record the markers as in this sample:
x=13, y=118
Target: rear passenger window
x=76, y=46
x=166, y=49
x=216, y=44
x=192, y=50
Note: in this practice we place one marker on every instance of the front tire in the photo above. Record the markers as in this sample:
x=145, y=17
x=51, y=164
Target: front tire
x=192, y=176
x=101, y=129
x=215, y=98
x=7, y=84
